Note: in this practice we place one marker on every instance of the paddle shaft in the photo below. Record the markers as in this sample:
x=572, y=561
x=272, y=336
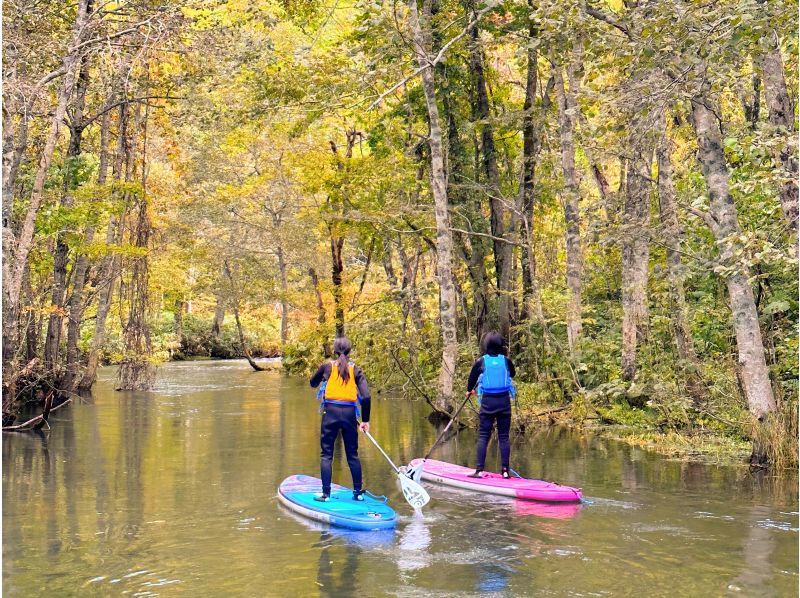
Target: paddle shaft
x=447, y=427
x=378, y=446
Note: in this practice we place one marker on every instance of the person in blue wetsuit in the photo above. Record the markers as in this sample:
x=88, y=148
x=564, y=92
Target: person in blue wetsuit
x=490, y=377
x=345, y=387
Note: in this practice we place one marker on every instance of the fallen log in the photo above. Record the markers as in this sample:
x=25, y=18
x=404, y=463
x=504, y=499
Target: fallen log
x=40, y=421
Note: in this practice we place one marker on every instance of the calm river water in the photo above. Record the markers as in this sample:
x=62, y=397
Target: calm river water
x=173, y=492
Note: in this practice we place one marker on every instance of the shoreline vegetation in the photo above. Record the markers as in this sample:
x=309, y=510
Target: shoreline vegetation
x=610, y=186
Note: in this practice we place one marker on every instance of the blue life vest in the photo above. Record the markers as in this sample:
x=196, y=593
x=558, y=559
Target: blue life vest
x=495, y=379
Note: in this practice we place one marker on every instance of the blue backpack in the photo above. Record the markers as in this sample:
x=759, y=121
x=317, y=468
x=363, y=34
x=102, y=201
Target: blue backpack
x=495, y=378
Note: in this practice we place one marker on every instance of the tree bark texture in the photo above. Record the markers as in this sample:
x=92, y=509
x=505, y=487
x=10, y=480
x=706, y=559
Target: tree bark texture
x=337, y=267
x=61, y=256
x=136, y=372
x=636, y=244
x=32, y=328
x=567, y=104
x=724, y=223
x=282, y=269
x=673, y=236
x=444, y=239
x=781, y=116
x=408, y=286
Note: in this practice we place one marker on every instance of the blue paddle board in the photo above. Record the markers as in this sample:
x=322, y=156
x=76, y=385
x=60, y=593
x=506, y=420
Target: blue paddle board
x=297, y=493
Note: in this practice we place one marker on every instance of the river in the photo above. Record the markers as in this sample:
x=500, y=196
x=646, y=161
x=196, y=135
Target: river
x=174, y=492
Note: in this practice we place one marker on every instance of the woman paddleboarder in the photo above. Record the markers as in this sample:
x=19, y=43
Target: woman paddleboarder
x=345, y=386
x=490, y=377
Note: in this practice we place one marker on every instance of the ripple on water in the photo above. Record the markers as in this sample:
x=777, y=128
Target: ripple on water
x=785, y=526
x=610, y=503
x=707, y=515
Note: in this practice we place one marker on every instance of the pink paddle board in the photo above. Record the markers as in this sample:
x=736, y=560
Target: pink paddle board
x=450, y=474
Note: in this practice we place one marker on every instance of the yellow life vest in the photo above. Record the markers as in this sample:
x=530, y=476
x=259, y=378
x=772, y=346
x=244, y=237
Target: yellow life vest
x=337, y=389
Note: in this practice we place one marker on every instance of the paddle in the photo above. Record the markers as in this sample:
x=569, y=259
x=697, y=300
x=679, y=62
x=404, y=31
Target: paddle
x=415, y=473
x=414, y=494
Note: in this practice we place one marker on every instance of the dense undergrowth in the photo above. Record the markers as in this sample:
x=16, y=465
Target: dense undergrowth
x=661, y=408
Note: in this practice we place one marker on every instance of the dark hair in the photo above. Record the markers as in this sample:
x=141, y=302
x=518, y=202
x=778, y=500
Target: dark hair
x=342, y=347
x=493, y=343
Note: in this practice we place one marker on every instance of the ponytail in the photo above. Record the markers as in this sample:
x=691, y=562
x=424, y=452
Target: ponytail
x=342, y=363
x=342, y=347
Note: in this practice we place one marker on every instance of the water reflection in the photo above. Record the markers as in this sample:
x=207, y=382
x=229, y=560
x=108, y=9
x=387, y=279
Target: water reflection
x=491, y=578
x=756, y=553
x=337, y=572
x=525, y=508
x=415, y=539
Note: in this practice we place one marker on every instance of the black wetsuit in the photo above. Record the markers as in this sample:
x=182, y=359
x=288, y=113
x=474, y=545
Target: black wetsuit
x=336, y=418
x=494, y=407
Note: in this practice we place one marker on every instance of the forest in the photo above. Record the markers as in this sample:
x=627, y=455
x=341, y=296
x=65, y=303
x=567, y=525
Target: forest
x=611, y=184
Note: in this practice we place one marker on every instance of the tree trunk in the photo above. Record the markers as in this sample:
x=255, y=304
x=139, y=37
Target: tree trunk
x=75, y=305
x=531, y=141
x=364, y=274
x=474, y=248
x=337, y=242
x=636, y=245
x=337, y=268
x=724, y=223
x=219, y=317
x=242, y=341
x=503, y=252
x=282, y=268
x=180, y=307
x=16, y=251
x=781, y=116
x=136, y=372
x=388, y=268
x=752, y=103
x=321, y=317
x=109, y=268
x=239, y=329
x=408, y=286
x=444, y=239
x=32, y=330
x=61, y=256
x=673, y=236
x=567, y=104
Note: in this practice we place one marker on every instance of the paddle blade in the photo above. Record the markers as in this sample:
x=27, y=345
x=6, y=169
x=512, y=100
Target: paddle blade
x=414, y=494
x=415, y=473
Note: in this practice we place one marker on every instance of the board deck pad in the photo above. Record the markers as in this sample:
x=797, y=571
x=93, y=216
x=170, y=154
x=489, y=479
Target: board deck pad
x=297, y=493
x=450, y=474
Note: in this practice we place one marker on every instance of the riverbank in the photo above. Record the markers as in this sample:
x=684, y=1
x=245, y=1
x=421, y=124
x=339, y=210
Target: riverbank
x=702, y=437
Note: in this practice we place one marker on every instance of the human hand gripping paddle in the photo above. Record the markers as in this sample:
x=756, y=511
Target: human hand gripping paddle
x=415, y=473
x=414, y=494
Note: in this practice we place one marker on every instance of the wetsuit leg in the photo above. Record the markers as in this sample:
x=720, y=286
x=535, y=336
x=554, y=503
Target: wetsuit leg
x=503, y=428
x=484, y=432
x=329, y=430
x=350, y=437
